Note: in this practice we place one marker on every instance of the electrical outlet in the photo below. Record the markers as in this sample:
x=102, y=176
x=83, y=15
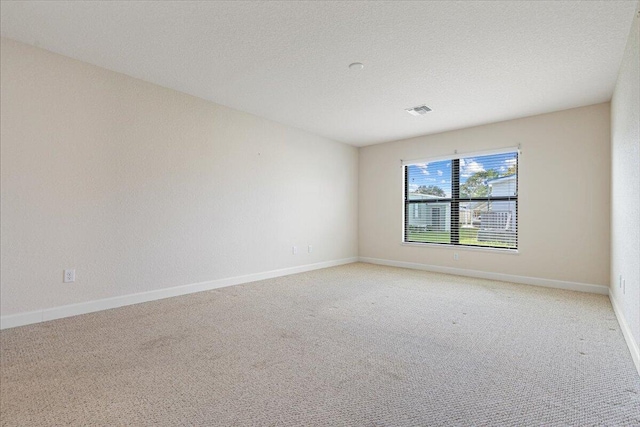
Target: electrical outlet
x=310, y=248
x=624, y=286
x=69, y=276
x=620, y=282
x=294, y=250
x=455, y=256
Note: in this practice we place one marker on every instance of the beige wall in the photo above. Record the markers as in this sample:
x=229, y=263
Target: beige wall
x=564, y=177
x=625, y=189
x=140, y=188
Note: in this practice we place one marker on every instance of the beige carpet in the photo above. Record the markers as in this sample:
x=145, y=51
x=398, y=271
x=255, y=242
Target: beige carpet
x=357, y=345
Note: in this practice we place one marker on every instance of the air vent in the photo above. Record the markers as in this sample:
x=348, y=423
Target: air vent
x=418, y=111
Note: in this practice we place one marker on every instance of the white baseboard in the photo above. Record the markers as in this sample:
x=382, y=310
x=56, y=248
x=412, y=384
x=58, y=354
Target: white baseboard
x=21, y=319
x=626, y=331
x=536, y=281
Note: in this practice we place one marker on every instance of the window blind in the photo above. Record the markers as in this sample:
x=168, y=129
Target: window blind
x=468, y=200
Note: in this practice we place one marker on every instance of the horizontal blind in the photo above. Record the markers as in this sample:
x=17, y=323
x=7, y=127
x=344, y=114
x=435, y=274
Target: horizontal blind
x=460, y=155
x=470, y=200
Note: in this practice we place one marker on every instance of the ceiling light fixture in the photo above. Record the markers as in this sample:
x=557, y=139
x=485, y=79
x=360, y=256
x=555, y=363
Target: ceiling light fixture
x=420, y=110
x=356, y=66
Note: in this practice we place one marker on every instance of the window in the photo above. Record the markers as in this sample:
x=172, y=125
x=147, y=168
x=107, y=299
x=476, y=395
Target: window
x=465, y=201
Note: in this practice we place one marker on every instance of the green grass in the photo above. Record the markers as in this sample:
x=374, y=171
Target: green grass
x=467, y=236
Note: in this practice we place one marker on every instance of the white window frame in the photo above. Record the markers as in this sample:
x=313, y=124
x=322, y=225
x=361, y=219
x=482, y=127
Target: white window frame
x=456, y=157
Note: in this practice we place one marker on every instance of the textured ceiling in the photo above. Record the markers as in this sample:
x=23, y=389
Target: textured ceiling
x=473, y=62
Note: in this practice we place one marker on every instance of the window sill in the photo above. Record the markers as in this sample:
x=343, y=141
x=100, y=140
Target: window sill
x=463, y=248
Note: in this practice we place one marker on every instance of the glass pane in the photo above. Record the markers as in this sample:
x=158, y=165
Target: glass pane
x=429, y=181
x=489, y=223
x=428, y=222
x=489, y=176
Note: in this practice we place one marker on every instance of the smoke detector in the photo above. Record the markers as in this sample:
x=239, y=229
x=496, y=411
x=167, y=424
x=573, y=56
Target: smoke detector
x=420, y=110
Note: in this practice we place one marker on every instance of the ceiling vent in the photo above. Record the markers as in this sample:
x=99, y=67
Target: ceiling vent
x=420, y=110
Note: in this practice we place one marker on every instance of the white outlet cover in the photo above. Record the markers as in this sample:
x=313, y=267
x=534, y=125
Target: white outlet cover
x=69, y=276
x=294, y=250
x=310, y=248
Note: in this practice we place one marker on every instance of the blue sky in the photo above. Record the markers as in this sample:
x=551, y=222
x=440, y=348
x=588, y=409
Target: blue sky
x=439, y=173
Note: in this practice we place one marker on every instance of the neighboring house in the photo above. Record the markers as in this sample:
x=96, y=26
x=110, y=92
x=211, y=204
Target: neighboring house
x=499, y=187
x=429, y=216
x=504, y=216
x=497, y=219
x=503, y=186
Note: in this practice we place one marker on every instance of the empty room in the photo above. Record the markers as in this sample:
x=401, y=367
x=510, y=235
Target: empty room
x=320, y=213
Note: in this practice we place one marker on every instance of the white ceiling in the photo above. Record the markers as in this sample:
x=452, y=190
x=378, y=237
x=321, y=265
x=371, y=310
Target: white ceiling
x=473, y=62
